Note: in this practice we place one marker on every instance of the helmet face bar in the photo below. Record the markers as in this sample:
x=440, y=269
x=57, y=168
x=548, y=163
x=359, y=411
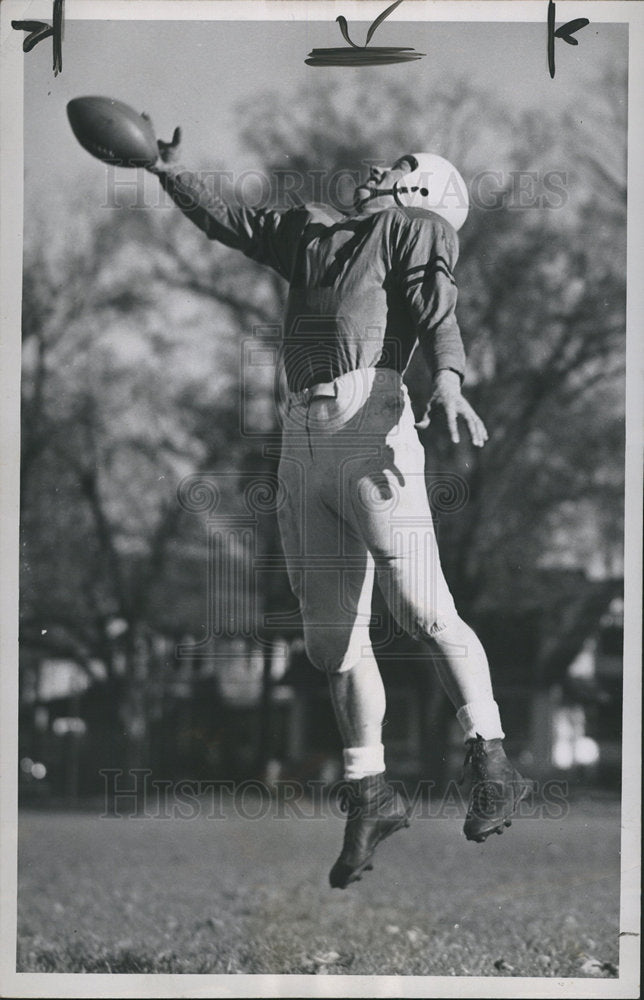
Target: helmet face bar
x=434, y=183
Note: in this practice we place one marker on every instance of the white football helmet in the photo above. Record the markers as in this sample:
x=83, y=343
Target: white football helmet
x=435, y=184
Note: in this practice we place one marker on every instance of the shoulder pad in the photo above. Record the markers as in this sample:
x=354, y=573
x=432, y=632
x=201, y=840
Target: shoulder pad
x=424, y=215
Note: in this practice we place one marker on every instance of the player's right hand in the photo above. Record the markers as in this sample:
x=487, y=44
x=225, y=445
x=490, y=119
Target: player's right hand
x=168, y=151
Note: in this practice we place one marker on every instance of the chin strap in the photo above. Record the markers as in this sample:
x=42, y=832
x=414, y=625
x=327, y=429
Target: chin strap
x=394, y=191
x=376, y=193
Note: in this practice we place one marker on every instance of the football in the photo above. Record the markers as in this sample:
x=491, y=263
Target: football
x=113, y=131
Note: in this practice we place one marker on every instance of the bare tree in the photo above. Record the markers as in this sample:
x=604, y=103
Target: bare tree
x=131, y=380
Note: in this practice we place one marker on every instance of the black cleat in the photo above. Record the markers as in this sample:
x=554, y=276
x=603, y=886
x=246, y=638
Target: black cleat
x=497, y=788
x=375, y=811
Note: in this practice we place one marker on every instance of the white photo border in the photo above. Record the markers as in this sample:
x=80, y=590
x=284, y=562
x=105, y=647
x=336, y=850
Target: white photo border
x=11, y=203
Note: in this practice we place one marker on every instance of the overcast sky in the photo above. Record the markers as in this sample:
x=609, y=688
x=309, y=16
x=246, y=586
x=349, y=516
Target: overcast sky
x=194, y=73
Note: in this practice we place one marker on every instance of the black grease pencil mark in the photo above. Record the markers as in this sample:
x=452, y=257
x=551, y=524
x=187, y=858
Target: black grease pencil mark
x=358, y=55
x=39, y=30
x=566, y=32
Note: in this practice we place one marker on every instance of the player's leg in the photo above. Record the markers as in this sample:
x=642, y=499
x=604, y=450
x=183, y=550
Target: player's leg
x=336, y=608
x=332, y=575
x=358, y=698
x=390, y=508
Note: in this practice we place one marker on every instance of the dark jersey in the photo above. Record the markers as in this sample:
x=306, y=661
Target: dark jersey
x=363, y=289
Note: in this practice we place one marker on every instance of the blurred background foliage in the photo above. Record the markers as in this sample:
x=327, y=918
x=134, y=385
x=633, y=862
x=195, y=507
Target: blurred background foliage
x=134, y=327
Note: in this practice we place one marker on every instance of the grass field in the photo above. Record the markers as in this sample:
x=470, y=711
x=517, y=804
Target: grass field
x=235, y=895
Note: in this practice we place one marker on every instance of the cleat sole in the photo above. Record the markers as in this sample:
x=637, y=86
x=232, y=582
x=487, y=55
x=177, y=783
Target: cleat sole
x=367, y=866
x=482, y=835
x=356, y=875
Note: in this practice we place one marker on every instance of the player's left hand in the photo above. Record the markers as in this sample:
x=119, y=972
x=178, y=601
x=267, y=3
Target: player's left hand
x=447, y=393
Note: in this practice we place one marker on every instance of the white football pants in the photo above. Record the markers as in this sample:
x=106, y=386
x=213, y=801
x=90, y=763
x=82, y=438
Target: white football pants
x=354, y=502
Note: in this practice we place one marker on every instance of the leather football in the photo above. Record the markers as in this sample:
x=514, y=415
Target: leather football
x=113, y=131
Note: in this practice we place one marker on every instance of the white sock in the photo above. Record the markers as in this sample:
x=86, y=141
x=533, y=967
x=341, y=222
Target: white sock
x=482, y=718
x=361, y=761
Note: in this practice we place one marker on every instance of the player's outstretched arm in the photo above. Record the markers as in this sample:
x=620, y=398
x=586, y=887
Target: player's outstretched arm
x=196, y=199
x=258, y=233
x=447, y=394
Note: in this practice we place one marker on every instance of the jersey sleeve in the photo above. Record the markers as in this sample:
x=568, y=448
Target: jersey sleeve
x=426, y=251
x=265, y=235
